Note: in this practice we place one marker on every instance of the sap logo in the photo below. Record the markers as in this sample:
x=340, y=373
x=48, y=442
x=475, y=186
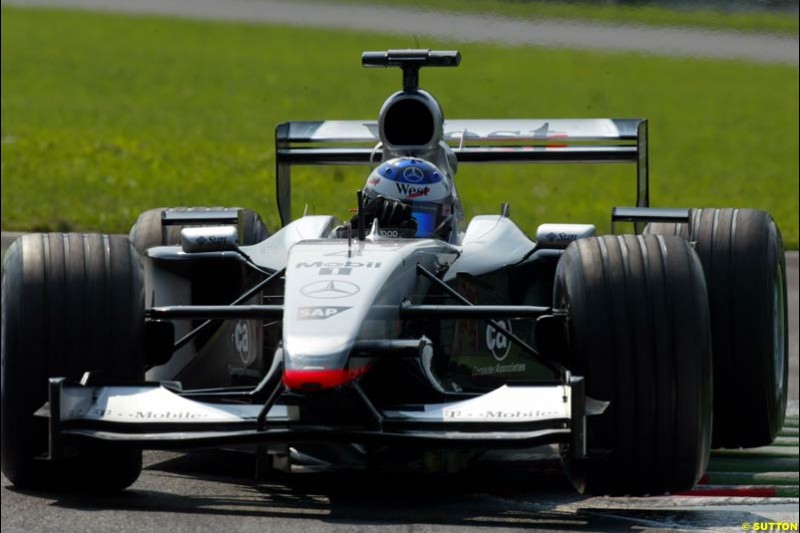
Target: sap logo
x=497, y=342
x=319, y=313
x=411, y=191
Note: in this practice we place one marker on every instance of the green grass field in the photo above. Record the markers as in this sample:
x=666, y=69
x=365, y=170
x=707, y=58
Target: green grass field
x=698, y=17
x=104, y=116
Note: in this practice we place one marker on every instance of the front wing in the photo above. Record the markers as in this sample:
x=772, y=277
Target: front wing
x=151, y=416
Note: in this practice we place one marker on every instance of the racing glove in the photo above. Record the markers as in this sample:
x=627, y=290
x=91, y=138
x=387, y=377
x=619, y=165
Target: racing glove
x=391, y=214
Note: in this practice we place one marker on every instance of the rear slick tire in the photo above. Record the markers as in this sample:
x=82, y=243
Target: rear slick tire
x=71, y=303
x=745, y=269
x=639, y=334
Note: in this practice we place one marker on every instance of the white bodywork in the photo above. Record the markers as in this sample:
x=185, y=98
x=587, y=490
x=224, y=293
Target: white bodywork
x=480, y=130
x=158, y=405
x=364, y=283
x=339, y=290
x=505, y=404
x=491, y=242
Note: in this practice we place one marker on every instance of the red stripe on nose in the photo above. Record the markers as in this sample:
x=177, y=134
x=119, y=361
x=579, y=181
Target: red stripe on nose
x=319, y=379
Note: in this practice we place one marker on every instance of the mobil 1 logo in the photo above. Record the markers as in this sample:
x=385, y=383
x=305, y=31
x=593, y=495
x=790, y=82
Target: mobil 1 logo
x=337, y=268
x=319, y=313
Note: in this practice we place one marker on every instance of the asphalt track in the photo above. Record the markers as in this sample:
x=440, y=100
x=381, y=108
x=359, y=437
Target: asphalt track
x=678, y=42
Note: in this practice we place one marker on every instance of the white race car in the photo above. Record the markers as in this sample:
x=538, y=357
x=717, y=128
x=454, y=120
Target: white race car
x=403, y=333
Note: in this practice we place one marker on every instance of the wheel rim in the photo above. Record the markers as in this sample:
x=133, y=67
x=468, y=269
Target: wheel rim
x=779, y=330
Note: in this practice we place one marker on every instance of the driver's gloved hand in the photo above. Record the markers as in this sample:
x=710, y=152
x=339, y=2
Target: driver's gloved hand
x=390, y=214
x=394, y=214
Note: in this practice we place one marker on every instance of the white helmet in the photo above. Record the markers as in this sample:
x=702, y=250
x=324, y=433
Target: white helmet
x=419, y=184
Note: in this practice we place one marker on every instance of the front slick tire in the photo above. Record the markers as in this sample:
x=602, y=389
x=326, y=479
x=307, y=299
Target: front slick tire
x=70, y=303
x=639, y=334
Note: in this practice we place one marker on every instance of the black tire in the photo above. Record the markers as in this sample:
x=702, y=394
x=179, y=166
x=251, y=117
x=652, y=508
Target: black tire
x=70, y=303
x=148, y=231
x=638, y=333
x=742, y=255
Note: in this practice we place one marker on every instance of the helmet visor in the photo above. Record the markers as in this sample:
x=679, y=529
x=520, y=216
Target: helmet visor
x=428, y=217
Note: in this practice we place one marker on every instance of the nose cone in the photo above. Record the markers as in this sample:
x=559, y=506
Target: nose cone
x=321, y=361
x=335, y=295
x=314, y=380
x=330, y=300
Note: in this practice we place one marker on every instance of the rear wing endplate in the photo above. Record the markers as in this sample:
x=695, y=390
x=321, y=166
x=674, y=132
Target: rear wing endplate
x=355, y=142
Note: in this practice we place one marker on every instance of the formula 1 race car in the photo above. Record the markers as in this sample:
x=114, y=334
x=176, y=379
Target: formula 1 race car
x=404, y=335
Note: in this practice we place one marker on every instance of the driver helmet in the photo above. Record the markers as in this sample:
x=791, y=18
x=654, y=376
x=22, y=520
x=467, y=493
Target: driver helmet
x=419, y=184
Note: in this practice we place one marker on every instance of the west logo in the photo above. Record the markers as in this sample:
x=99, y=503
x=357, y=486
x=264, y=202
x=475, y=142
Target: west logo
x=410, y=191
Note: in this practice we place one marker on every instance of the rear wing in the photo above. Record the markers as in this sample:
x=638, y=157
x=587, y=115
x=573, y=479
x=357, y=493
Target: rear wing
x=353, y=142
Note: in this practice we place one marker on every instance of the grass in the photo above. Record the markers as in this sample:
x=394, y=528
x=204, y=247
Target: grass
x=104, y=116
x=698, y=17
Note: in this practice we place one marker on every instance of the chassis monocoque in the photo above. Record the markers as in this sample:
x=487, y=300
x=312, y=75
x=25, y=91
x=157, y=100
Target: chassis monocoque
x=323, y=345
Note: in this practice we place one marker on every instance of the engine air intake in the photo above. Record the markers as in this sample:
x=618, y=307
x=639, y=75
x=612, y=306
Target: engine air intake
x=409, y=122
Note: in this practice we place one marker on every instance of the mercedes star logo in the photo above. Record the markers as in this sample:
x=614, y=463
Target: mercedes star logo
x=413, y=174
x=329, y=290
